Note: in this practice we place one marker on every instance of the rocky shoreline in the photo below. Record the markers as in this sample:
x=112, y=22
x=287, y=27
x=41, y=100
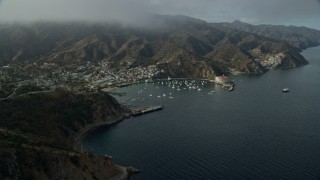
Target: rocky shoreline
x=92, y=127
x=123, y=173
x=48, y=145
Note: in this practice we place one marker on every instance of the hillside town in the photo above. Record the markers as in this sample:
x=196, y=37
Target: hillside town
x=90, y=74
x=87, y=74
x=270, y=61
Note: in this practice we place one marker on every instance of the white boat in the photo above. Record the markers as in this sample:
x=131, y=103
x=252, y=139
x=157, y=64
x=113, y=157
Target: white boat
x=285, y=90
x=107, y=156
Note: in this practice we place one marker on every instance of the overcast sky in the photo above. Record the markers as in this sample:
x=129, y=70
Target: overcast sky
x=296, y=12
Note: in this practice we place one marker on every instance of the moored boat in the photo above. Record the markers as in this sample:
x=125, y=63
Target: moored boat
x=285, y=90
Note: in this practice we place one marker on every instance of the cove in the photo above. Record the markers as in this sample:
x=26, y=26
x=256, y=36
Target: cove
x=254, y=132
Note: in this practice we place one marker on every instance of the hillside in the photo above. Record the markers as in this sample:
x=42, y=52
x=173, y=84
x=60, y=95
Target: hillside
x=176, y=42
x=38, y=133
x=299, y=37
x=62, y=63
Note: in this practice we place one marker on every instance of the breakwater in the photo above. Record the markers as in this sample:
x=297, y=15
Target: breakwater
x=136, y=111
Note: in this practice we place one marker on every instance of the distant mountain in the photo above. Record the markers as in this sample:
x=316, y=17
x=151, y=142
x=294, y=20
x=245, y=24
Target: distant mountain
x=182, y=46
x=299, y=37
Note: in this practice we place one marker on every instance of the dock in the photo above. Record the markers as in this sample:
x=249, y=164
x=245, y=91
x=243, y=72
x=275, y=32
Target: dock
x=136, y=111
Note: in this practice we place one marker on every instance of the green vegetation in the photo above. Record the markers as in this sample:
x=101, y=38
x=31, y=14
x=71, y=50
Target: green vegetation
x=37, y=130
x=6, y=90
x=27, y=89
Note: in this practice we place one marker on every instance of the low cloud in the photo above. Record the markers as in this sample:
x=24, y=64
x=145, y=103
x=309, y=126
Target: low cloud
x=135, y=11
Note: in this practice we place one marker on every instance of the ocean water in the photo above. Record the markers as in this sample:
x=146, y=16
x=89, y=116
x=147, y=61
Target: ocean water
x=254, y=132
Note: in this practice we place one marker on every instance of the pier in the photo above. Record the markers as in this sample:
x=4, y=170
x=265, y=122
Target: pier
x=136, y=111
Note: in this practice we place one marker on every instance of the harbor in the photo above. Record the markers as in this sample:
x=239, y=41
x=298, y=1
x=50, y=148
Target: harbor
x=224, y=135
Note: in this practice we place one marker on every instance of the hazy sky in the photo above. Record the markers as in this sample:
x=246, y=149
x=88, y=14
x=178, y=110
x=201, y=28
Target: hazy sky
x=296, y=12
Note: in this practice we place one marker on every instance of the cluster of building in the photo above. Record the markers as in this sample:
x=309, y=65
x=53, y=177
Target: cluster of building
x=123, y=75
x=85, y=74
x=270, y=61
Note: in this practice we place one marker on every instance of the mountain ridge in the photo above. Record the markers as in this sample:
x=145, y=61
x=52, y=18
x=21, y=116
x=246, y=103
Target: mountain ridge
x=173, y=39
x=300, y=37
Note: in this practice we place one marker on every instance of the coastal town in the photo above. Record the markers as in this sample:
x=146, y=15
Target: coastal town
x=88, y=75
x=107, y=89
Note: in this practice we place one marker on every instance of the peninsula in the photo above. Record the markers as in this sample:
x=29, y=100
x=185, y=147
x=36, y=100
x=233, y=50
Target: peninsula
x=40, y=136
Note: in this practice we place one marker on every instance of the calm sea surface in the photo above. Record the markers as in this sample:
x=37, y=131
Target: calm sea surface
x=254, y=132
